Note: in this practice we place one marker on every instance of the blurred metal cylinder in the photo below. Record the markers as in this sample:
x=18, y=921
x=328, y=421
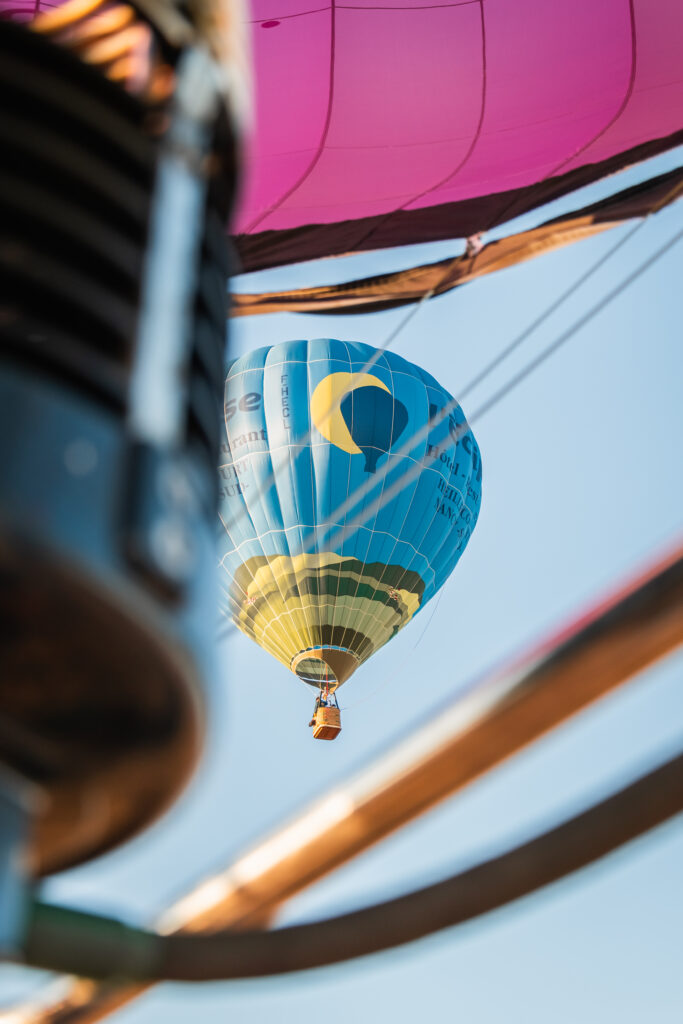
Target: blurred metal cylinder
x=113, y=269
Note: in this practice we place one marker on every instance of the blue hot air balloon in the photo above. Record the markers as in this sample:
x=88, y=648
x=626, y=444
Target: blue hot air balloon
x=350, y=485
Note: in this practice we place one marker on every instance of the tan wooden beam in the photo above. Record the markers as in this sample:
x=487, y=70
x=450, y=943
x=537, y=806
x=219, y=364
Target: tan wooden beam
x=495, y=718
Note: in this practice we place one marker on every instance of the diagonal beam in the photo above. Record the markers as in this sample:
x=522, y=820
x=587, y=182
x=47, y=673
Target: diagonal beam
x=617, y=638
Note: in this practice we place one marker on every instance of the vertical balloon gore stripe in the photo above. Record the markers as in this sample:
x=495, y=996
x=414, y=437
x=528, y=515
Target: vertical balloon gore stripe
x=317, y=578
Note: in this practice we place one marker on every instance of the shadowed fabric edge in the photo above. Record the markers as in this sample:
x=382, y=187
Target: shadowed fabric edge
x=266, y=249
x=388, y=291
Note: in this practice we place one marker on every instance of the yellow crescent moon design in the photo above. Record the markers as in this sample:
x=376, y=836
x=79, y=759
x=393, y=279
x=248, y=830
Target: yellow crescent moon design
x=325, y=412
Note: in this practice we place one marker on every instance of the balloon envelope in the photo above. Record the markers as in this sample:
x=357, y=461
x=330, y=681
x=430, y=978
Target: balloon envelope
x=319, y=578
x=384, y=123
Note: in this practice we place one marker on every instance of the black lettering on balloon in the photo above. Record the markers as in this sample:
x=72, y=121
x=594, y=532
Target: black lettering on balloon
x=250, y=401
x=247, y=403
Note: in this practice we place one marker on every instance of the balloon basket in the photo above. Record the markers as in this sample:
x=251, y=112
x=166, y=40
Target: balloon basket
x=326, y=723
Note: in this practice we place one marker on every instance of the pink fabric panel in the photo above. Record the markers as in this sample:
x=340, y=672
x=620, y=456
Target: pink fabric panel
x=288, y=131
x=400, y=142
x=368, y=107
x=398, y=5
x=268, y=10
x=547, y=95
x=24, y=10
x=561, y=90
x=386, y=137
x=657, y=91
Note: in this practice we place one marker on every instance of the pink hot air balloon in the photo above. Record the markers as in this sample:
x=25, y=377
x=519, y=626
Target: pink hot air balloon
x=386, y=124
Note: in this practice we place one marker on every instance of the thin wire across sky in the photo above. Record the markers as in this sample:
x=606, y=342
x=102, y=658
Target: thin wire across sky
x=359, y=494
x=443, y=413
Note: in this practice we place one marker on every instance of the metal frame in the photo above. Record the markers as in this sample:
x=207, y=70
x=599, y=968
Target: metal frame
x=617, y=638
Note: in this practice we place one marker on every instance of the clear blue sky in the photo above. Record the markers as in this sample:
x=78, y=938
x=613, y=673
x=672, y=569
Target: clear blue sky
x=582, y=485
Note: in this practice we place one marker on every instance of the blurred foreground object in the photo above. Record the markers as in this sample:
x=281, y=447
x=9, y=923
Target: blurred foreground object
x=496, y=717
x=119, y=167
x=69, y=940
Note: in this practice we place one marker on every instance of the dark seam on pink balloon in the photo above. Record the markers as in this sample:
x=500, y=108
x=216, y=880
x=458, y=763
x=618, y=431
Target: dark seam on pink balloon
x=499, y=217
x=321, y=145
x=287, y=17
x=423, y=7
x=465, y=159
x=622, y=107
x=9, y=12
x=480, y=125
x=504, y=214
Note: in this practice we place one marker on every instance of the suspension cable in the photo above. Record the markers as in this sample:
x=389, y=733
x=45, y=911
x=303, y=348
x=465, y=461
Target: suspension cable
x=549, y=350
x=442, y=414
x=437, y=418
x=446, y=410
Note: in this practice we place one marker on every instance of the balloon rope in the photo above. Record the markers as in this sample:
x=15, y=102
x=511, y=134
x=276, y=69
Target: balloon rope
x=511, y=384
x=356, y=496
x=574, y=287
x=359, y=493
x=335, y=405
x=483, y=374
x=391, y=676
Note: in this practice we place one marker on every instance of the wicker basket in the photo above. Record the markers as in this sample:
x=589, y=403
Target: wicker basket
x=326, y=723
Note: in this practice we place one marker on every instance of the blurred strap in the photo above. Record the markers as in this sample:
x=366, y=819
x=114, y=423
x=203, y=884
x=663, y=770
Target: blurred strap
x=102, y=31
x=65, y=940
x=388, y=291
